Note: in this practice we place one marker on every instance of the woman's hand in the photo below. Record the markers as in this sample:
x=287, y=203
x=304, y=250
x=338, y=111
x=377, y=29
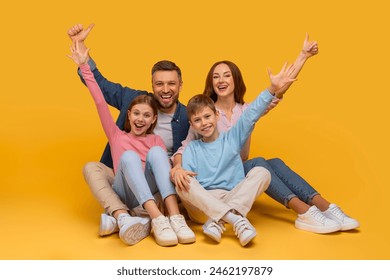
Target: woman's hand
x=310, y=48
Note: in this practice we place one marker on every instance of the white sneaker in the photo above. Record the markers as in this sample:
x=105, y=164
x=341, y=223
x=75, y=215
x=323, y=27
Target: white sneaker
x=163, y=232
x=213, y=230
x=336, y=214
x=244, y=231
x=313, y=220
x=133, y=229
x=184, y=234
x=108, y=225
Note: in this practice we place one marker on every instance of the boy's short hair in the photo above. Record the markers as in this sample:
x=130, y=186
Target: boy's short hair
x=199, y=102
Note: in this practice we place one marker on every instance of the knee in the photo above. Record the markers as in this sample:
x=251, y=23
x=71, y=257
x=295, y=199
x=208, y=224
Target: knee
x=92, y=167
x=263, y=174
x=97, y=172
x=276, y=162
x=156, y=150
x=259, y=161
x=128, y=157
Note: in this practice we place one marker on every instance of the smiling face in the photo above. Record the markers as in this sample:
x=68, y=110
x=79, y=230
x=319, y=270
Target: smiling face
x=223, y=82
x=141, y=117
x=205, y=123
x=166, y=87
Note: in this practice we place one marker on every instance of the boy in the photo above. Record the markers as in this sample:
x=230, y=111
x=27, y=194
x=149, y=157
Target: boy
x=220, y=190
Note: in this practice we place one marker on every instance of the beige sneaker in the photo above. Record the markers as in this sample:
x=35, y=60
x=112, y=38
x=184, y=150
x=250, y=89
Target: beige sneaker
x=163, y=232
x=180, y=227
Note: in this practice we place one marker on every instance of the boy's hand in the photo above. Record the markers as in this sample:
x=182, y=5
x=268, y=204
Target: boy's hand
x=179, y=177
x=77, y=32
x=280, y=80
x=78, y=56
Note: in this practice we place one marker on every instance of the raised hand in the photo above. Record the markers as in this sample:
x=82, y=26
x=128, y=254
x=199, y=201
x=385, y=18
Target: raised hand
x=310, y=48
x=78, y=33
x=79, y=56
x=281, y=80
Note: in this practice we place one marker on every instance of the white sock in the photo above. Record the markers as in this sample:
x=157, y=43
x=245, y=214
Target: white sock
x=231, y=218
x=121, y=216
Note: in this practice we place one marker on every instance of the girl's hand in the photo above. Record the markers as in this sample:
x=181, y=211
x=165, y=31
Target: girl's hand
x=78, y=57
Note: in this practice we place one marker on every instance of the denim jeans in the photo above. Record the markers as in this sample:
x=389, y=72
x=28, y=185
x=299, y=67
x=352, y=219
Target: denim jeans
x=285, y=183
x=135, y=186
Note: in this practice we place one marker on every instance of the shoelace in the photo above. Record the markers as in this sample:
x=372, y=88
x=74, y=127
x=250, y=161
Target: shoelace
x=338, y=213
x=240, y=226
x=317, y=215
x=163, y=223
x=178, y=221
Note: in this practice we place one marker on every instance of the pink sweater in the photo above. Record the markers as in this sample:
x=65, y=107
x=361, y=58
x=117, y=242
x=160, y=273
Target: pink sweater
x=120, y=141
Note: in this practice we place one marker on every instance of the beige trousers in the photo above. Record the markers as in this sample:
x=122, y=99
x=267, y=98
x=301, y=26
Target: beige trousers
x=202, y=204
x=100, y=178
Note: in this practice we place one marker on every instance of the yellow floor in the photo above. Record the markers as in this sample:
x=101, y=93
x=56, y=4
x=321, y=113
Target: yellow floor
x=62, y=223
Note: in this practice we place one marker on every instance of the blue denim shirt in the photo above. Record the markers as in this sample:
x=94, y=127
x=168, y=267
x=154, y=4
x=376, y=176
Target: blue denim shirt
x=120, y=97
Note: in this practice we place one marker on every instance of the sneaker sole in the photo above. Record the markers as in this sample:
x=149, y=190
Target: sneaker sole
x=306, y=227
x=135, y=233
x=186, y=240
x=166, y=243
x=350, y=226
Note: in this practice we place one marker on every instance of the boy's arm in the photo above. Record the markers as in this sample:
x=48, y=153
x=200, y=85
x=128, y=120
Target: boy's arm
x=240, y=132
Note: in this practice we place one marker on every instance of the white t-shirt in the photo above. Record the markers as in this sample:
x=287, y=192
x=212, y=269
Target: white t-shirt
x=164, y=130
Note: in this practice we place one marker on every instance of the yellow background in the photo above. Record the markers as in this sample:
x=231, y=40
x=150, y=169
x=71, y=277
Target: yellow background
x=332, y=126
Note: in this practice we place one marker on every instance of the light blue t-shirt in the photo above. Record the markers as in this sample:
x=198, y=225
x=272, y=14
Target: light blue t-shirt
x=218, y=164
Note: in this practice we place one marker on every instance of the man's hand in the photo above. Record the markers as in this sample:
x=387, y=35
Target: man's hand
x=77, y=32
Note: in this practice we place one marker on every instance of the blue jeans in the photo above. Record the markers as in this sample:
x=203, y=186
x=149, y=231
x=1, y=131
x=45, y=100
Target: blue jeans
x=135, y=186
x=285, y=183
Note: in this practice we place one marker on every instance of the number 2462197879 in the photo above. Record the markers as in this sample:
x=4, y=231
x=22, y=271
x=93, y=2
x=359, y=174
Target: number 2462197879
x=244, y=270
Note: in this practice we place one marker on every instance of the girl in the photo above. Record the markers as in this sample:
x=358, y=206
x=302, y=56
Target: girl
x=141, y=167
